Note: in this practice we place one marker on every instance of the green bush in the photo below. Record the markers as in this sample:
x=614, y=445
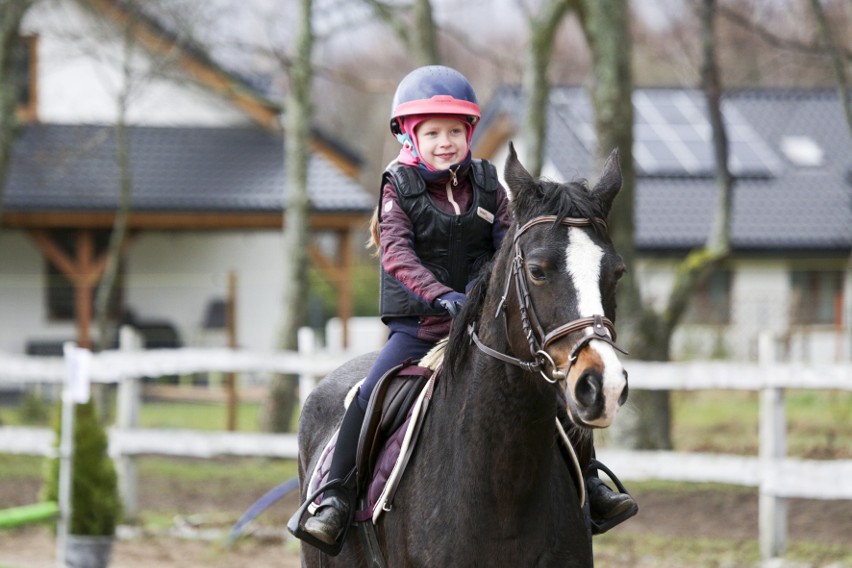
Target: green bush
x=33, y=409
x=95, y=502
x=365, y=291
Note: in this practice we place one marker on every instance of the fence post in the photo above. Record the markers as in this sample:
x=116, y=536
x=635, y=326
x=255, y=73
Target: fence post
x=75, y=389
x=307, y=348
x=127, y=418
x=773, y=449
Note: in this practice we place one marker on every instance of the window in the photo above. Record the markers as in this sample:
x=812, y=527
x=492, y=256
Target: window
x=25, y=75
x=817, y=296
x=711, y=303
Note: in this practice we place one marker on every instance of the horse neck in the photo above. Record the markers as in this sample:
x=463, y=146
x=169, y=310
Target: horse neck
x=500, y=412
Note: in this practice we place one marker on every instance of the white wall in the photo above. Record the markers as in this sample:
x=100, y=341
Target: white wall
x=80, y=75
x=23, y=307
x=174, y=275
x=760, y=294
x=170, y=276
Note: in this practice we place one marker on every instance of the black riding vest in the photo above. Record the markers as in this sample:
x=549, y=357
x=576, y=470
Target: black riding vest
x=452, y=247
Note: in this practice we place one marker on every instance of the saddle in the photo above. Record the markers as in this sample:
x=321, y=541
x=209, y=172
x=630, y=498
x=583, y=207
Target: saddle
x=391, y=427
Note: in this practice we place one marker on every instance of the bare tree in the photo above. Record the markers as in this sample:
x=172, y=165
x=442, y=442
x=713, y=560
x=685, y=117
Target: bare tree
x=414, y=25
x=11, y=14
x=278, y=412
x=649, y=333
x=543, y=26
x=606, y=28
x=106, y=285
x=837, y=60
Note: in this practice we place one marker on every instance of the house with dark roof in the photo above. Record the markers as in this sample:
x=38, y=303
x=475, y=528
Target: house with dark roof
x=791, y=156
x=209, y=191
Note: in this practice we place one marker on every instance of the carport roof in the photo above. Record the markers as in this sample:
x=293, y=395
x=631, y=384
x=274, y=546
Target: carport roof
x=73, y=168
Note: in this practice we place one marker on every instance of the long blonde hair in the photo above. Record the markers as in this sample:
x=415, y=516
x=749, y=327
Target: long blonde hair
x=373, y=240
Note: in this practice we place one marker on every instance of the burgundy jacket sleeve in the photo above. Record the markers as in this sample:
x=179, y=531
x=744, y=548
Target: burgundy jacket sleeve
x=398, y=256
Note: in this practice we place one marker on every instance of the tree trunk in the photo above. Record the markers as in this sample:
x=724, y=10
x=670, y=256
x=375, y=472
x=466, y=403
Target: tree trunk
x=649, y=334
x=11, y=14
x=106, y=286
x=836, y=60
x=279, y=408
x=536, y=84
x=607, y=31
x=423, y=34
x=418, y=34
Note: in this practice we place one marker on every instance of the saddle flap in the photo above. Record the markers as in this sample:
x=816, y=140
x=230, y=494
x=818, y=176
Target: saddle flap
x=387, y=410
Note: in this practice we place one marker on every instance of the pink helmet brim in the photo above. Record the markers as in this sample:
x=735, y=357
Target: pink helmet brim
x=439, y=104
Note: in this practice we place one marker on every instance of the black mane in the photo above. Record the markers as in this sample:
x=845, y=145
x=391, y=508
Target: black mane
x=571, y=199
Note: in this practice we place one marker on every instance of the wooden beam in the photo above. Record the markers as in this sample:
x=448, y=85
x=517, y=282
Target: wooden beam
x=84, y=270
x=177, y=220
x=339, y=275
x=324, y=264
x=54, y=254
x=497, y=135
x=343, y=163
x=344, y=306
x=83, y=287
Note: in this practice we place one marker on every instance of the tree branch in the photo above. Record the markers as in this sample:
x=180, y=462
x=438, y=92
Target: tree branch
x=836, y=60
x=771, y=38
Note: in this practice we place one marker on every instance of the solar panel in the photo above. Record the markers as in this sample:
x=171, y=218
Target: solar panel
x=673, y=136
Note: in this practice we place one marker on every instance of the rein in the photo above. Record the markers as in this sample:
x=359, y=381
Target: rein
x=594, y=327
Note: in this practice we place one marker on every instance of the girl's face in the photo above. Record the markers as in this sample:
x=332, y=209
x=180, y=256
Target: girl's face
x=442, y=142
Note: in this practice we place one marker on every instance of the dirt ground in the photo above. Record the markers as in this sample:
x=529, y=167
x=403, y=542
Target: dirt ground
x=670, y=513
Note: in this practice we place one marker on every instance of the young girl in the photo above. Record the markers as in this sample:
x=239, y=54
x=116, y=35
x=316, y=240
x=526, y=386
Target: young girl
x=441, y=216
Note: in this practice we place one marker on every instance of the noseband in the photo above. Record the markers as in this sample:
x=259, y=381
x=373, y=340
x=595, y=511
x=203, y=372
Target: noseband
x=594, y=327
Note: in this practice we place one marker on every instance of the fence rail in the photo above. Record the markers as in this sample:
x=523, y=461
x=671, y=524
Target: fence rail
x=777, y=476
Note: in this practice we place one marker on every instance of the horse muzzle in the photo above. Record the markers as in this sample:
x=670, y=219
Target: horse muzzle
x=595, y=383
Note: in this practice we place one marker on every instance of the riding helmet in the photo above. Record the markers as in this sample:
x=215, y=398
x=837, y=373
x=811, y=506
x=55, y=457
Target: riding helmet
x=433, y=89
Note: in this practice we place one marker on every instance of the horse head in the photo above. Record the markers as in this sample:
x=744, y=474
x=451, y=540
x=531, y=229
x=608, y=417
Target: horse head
x=564, y=271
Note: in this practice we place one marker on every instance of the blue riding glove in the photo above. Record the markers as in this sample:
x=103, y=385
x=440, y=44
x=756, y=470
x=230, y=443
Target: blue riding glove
x=452, y=302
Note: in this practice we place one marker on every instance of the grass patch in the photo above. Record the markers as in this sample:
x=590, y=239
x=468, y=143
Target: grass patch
x=244, y=471
x=727, y=422
x=13, y=466
x=198, y=415
x=616, y=549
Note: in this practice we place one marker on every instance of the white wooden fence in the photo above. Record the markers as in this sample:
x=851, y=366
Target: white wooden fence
x=777, y=476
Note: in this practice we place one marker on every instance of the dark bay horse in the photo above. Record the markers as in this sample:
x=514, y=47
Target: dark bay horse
x=489, y=484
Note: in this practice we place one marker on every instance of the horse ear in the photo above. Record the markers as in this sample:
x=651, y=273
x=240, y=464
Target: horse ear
x=517, y=177
x=610, y=183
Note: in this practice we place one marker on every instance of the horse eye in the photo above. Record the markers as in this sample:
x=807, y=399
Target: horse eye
x=536, y=272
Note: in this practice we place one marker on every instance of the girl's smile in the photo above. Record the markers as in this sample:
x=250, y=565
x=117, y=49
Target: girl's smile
x=442, y=142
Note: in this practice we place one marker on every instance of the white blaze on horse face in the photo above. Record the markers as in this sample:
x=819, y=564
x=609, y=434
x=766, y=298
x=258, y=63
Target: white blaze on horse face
x=583, y=261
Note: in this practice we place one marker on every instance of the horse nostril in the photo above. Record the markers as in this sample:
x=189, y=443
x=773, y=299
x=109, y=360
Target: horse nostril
x=588, y=388
x=623, y=398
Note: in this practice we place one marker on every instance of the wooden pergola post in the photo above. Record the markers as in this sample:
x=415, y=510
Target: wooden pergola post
x=340, y=276
x=83, y=270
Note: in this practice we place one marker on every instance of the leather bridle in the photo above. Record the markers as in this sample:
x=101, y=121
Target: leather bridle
x=595, y=327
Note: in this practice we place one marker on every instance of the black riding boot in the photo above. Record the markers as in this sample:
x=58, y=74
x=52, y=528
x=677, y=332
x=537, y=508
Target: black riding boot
x=608, y=508
x=605, y=503
x=333, y=513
